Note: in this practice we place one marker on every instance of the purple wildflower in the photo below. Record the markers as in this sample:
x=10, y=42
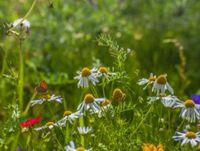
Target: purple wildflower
x=196, y=98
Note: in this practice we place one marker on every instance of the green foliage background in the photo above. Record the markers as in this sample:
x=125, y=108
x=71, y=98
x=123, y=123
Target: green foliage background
x=63, y=39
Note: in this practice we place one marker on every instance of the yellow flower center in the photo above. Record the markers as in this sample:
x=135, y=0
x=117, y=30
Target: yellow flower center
x=118, y=95
x=162, y=95
x=89, y=98
x=190, y=134
x=49, y=123
x=106, y=102
x=189, y=103
x=103, y=70
x=46, y=96
x=153, y=78
x=85, y=72
x=80, y=149
x=67, y=113
x=162, y=79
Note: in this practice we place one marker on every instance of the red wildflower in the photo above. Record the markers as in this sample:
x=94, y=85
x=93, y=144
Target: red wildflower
x=31, y=122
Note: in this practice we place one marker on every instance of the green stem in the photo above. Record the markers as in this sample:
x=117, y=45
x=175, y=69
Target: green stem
x=81, y=123
x=145, y=116
x=103, y=87
x=28, y=105
x=59, y=144
x=67, y=132
x=30, y=9
x=93, y=90
x=21, y=75
x=4, y=62
x=181, y=124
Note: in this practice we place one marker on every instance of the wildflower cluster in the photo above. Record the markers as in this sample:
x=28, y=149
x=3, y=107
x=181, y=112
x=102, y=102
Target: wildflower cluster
x=91, y=76
x=190, y=108
x=90, y=105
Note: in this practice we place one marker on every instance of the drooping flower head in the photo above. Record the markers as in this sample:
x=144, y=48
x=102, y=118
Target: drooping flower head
x=186, y=137
x=161, y=85
x=85, y=76
x=31, y=122
x=118, y=95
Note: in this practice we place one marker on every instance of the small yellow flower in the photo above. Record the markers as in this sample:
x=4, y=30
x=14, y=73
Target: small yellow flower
x=152, y=147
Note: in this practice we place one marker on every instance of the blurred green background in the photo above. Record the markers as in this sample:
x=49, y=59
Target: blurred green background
x=63, y=38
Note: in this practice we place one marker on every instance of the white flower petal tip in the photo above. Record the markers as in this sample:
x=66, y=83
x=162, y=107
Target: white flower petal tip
x=47, y=98
x=84, y=130
x=71, y=147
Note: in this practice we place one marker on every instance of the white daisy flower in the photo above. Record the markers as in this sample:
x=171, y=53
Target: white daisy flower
x=21, y=23
x=167, y=101
x=68, y=116
x=71, y=147
x=187, y=137
x=105, y=107
x=48, y=125
x=148, y=81
x=90, y=103
x=84, y=130
x=48, y=98
x=170, y=101
x=161, y=85
x=190, y=111
x=103, y=72
x=85, y=76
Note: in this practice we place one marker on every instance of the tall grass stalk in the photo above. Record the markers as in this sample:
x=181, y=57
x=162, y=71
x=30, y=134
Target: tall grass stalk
x=21, y=74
